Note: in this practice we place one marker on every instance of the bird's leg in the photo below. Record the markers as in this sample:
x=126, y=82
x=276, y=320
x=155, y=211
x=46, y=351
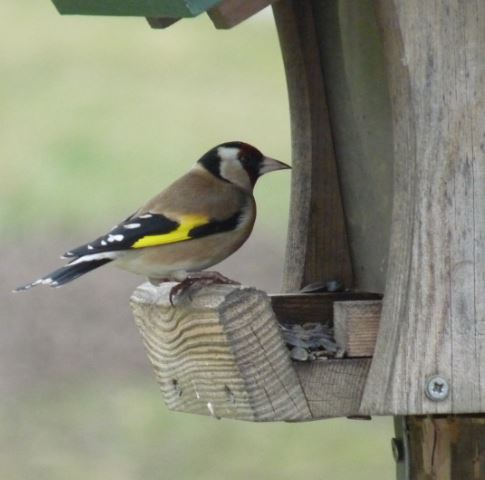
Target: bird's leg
x=156, y=282
x=199, y=279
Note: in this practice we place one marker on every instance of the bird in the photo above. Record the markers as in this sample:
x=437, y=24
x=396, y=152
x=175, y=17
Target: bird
x=195, y=223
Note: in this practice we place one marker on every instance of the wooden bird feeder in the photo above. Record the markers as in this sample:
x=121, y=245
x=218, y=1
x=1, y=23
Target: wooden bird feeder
x=387, y=102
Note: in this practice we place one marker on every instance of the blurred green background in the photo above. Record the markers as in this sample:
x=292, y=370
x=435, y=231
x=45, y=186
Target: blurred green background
x=96, y=115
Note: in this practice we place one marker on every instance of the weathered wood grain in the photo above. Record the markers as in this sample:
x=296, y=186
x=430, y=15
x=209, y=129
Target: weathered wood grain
x=446, y=448
x=434, y=306
x=333, y=388
x=317, y=247
x=220, y=354
x=355, y=326
x=230, y=13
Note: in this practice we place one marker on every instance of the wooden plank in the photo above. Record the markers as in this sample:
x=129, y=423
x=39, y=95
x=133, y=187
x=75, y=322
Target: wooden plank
x=355, y=326
x=313, y=307
x=230, y=13
x=220, y=353
x=317, y=248
x=333, y=388
x=434, y=308
x=360, y=116
x=161, y=22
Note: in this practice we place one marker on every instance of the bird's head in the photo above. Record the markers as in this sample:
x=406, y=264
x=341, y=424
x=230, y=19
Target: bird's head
x=239, y=163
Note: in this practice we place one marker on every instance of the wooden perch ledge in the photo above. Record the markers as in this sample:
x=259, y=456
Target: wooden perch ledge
x=220, y=352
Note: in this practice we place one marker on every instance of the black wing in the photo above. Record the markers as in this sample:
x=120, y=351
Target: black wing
x=150, y=229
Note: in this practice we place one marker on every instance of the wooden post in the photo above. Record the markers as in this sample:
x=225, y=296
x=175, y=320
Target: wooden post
x=444, y=447
x=434, y=309
x=430, y=352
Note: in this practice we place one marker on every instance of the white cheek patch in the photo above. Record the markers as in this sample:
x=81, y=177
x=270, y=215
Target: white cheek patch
x=228, y=153
x=232, y=171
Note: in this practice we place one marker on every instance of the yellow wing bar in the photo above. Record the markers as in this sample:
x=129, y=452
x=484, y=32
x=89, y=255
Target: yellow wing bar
x=181, y=233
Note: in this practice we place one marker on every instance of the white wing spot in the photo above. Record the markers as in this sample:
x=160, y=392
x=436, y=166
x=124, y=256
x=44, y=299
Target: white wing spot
x=115, y=238
x=147, y=215
x=92, y=257
x=103, y=242
x=131, y=226
x=90, y=247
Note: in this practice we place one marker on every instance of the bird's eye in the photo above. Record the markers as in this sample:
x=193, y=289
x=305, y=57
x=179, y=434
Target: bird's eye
x=245, y=159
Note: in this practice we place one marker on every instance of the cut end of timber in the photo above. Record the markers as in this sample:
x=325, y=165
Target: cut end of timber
x=356, y=324
x=219, y=352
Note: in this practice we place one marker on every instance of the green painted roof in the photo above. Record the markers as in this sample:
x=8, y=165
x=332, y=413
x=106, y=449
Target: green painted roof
x=142, y=8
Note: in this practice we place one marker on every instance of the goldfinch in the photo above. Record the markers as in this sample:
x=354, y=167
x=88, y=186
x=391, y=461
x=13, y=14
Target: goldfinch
x=199, y=220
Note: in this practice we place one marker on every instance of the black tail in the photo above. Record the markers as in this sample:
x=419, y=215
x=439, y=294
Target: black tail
x=66, y=274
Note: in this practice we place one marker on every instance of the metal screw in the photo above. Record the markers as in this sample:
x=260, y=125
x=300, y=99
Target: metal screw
x=437, y=388
x=397, y=449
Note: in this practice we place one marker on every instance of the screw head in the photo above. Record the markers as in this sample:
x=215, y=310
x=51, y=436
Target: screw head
x=437, y=388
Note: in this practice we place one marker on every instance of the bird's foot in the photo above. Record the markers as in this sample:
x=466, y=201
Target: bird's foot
x=199, y=280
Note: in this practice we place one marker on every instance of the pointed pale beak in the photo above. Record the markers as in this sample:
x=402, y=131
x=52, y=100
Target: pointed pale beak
x=271, y=165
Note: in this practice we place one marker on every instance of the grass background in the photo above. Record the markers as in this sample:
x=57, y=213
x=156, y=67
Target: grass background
x=105, y=111
x=96, y=115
